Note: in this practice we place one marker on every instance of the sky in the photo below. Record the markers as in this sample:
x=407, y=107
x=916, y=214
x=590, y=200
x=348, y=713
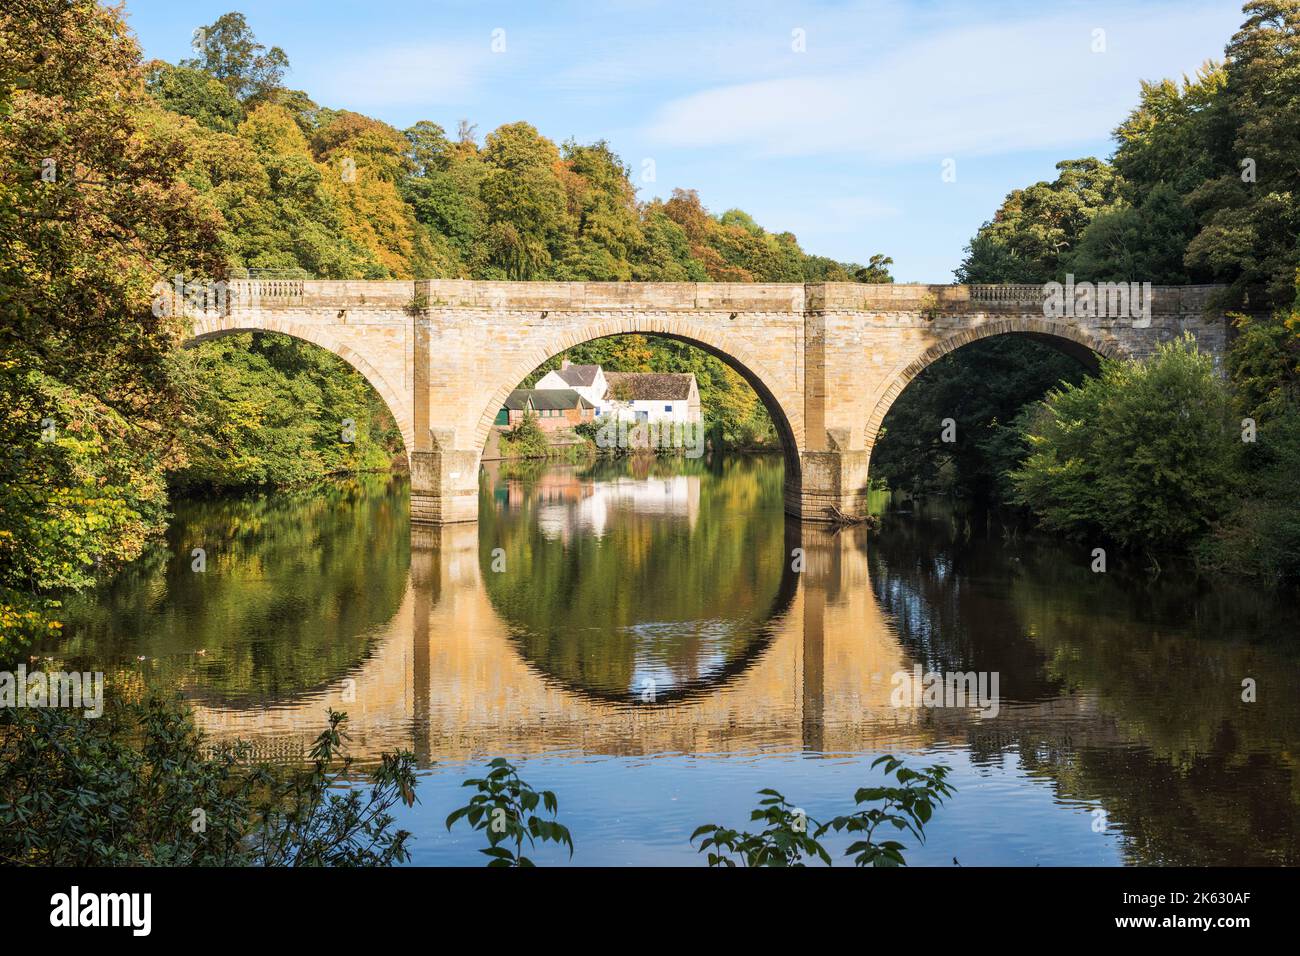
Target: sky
x=889, y=126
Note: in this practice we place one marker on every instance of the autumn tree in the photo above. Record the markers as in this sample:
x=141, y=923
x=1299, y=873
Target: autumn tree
x=94, y=212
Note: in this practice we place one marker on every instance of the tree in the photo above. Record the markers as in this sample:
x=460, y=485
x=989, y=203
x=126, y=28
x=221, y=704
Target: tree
x=196, y=94
x=1036, y=228
x=140, y=786
x=94, y=211
x=876, y=270
x=982, y=387
x=1143, y=243
x=602, y=206
x=526, y=208
x=229, y=51
x=1178, y=135
x=269, y=410
x=1261, y=533
x=1250, y=209
x=1143, y=455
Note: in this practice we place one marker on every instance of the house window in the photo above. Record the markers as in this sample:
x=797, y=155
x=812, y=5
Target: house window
x=668, y=408
x=598, y=413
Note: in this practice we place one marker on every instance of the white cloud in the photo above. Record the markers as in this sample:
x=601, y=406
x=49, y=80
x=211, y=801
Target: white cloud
x=968, y=90
x=405, y=75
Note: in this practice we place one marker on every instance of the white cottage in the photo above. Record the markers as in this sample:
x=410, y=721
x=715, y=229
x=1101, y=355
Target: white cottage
x=652, y=396
x=587, y=380
x=630, y=396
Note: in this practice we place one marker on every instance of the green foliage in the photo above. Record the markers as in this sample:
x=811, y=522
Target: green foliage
x=24, y=619
x=1249, y=230
x=229, y=51
x=269, y=410
x=787, y=840
x=876, y=270
x=195, y=94
x=906, y=807
x=1143, y=243
x=1203, y=187
x=982, y=387
x=138, y=786
x=504, y=809
x=1033, y=233
x=1260, y=533
x=89, y=385
x=1260, y=536
x=525, y=439
x=1143, y=455
x=315, y=817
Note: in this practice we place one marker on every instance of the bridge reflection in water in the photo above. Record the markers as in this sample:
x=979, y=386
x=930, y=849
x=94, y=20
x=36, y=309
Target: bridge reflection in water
x=447, y=680
x=450, y=677
x=645, y=613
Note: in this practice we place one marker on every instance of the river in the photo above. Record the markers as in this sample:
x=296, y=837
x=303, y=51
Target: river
x=657, y=641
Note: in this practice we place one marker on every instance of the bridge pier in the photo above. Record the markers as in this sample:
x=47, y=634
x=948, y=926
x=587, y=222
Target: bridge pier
x=827, y=480
x=444, y=486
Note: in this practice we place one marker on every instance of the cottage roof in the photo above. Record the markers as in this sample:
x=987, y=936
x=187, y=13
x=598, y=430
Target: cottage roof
x=649, y=386
x=540, y=399
x=578, y=375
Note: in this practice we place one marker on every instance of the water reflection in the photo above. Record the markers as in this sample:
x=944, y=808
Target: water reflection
x=652, y=609
x=636, y=588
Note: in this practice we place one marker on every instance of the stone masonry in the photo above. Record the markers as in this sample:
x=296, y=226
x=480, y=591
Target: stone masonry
x=828, y=359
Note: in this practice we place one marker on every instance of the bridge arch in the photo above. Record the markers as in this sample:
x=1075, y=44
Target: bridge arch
x=398, y=407
x=1080, y=344
x=785, y=411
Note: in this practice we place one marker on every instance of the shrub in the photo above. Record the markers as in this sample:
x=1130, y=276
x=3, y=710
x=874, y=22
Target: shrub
x=792, y=837
x=525, y=440
x=503, y=810
x=1143, y=455
x=139, y=786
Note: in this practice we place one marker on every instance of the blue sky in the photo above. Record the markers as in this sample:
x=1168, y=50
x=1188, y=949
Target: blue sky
x=842, y=142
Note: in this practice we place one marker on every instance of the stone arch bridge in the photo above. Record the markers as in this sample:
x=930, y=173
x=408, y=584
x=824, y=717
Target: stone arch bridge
x=827, y=359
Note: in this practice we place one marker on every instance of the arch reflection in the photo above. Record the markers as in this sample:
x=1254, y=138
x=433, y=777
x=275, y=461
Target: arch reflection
x=636, y=581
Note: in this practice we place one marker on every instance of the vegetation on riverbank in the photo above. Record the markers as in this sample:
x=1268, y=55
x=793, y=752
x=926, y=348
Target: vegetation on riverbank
x=93, y=208
x=1199, y=190
x=140, y=786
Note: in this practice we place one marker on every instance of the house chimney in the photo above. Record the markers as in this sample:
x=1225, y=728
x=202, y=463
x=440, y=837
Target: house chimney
x=564, y=363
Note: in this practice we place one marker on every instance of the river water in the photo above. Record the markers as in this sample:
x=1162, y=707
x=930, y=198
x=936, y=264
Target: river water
x=655, y=642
